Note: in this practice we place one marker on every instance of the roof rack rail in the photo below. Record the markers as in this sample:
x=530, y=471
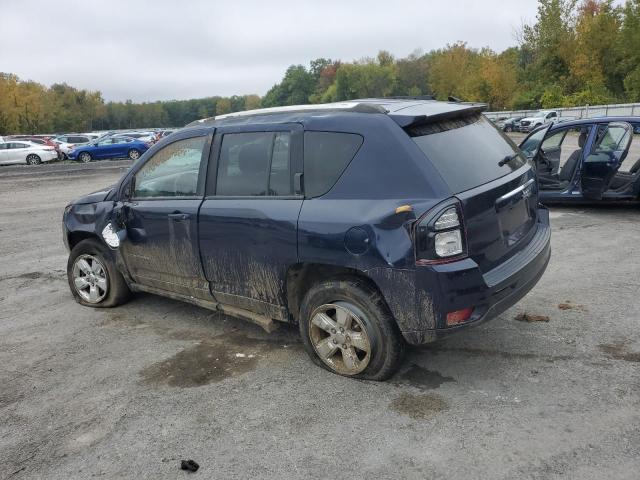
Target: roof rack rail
x=347, y=106
x=410, y=97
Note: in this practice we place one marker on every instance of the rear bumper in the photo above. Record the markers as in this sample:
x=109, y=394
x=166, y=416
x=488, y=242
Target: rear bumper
x=459, y=285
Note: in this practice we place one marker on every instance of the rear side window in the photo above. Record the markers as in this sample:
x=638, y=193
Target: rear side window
x=466, y=151
x=326, y=155
x=254, y=164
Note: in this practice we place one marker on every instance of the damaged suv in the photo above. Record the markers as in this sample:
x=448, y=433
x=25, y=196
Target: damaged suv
x=369, y=223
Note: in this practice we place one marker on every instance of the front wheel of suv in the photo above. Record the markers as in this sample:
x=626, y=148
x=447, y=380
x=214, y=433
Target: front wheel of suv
x=93, y=277
x=347, y=328
x=84, y=157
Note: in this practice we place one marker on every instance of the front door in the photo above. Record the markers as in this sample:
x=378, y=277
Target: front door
x=161, y=218
x=248, y=221
x=610, y=148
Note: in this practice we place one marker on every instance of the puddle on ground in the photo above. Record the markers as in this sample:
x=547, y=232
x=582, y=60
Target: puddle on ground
x=212, y=361
x=419, y=407
x=618, y=351
x=417, y=376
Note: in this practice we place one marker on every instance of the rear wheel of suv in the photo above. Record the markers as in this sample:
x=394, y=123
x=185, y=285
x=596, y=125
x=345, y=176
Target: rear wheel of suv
x=84, y=157
x=134, y=154
x=93, y=277
x=347, y=328
x=33, y=159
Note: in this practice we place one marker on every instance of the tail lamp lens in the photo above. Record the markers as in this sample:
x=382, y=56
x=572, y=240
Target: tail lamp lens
x=448, y=219
x=448, y=243
x=439, y=236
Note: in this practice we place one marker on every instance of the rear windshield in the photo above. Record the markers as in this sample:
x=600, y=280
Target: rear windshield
x=467, y=151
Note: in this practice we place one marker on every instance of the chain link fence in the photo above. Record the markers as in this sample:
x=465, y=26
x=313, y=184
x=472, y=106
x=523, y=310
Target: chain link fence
x=588, y=111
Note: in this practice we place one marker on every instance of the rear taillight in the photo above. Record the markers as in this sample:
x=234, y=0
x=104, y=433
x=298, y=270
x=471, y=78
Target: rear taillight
x=440, y=235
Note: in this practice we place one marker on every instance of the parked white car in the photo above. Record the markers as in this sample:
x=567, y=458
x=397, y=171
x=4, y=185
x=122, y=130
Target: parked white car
x=30, y=153
x=538, y=119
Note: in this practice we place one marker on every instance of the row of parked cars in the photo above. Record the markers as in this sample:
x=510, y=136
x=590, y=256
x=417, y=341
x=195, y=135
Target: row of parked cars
x=84, y=147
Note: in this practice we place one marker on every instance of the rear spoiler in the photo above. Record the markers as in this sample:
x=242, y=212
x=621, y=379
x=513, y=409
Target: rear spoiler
x=467, y=109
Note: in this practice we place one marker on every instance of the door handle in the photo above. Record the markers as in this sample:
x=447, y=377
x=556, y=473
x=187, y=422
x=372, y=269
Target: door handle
x=179, y=217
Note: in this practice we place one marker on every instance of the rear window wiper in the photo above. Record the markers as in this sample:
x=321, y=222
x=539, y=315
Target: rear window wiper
x=507, y=159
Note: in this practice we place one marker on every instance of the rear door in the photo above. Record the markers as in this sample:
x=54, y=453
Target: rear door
x=248, y=220
x=161, y=218
x=120, y=147
x=608, y=150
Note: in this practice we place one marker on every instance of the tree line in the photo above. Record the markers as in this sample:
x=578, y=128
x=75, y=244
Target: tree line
x=574, y=53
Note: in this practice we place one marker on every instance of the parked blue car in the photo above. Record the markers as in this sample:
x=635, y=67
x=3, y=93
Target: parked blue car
x=370, y=224
x=589, y=160
x=110, y=147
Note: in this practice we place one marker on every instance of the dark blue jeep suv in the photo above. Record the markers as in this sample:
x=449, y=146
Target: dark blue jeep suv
x=369, y=223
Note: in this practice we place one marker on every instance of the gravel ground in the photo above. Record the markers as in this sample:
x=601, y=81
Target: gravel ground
x=129, y=392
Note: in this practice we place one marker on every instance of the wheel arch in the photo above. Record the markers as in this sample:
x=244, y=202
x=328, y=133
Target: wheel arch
x=75, y=237
x=302, y=276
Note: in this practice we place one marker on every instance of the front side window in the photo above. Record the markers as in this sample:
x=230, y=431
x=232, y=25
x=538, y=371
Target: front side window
x=172, y=171
x=254, y=164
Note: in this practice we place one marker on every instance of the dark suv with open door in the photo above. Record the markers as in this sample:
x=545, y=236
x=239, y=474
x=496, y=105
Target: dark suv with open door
x=369, y=223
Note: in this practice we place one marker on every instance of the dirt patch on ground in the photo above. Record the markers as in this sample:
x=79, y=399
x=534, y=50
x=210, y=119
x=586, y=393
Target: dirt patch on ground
x=619, y=351
x=567, y=305
x=419, y=407
x=417, y=376
x=530, y=317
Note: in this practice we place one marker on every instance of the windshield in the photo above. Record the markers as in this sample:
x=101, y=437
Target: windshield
x=467, y=152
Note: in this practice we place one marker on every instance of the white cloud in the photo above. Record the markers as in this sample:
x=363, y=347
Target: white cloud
x=160, y=49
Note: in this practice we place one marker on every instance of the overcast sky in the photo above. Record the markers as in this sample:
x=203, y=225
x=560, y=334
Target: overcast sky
x=175, y=49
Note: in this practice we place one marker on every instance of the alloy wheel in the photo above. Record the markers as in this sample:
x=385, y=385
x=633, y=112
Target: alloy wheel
x=339, y=338
x=90, y=278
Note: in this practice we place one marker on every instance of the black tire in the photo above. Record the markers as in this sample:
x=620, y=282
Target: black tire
x=507, y=128
x=386, y=342
x=117, y=291
x=33, y=159
x=85, y=157
x=134, y=154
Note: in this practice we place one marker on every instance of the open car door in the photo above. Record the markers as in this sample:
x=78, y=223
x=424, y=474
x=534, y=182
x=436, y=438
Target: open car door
x=531, y=147
x=609, y=150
